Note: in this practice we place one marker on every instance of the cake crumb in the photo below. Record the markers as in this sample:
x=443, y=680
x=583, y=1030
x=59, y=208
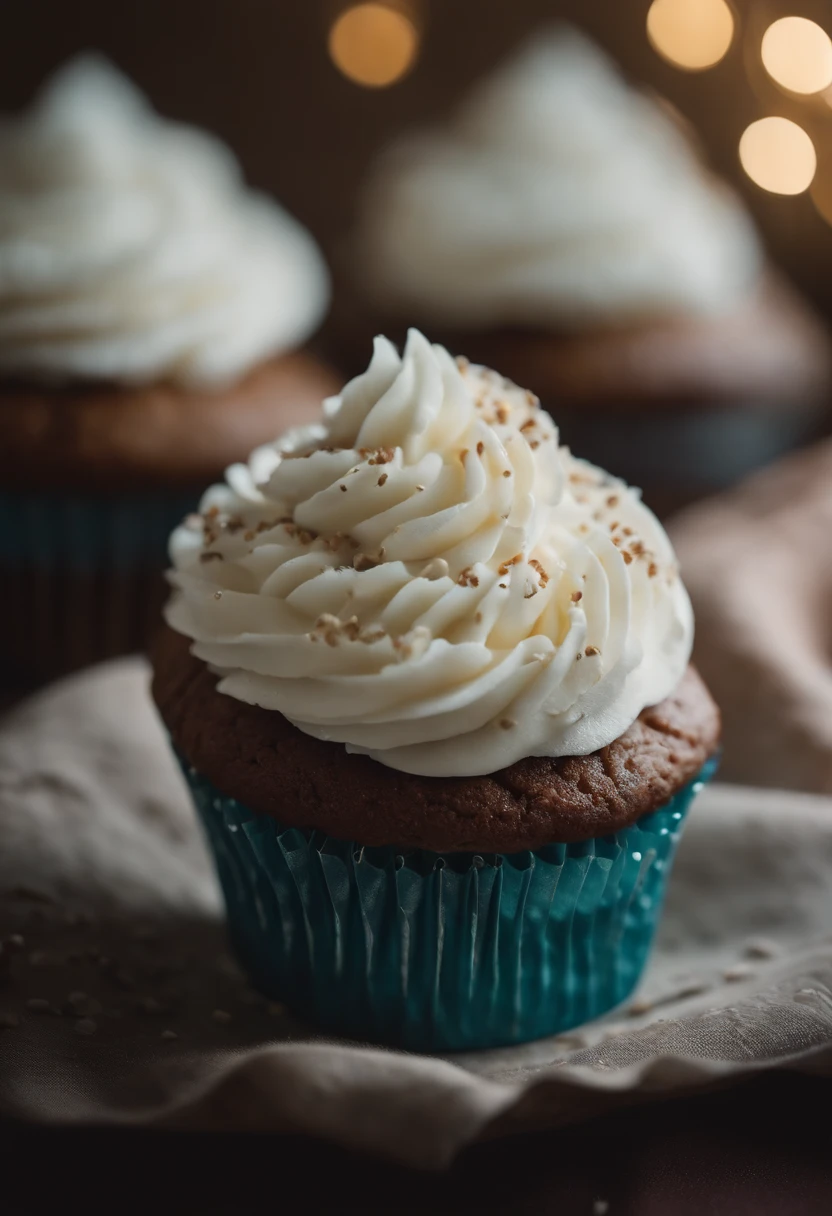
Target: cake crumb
x=740, y=971
x=39, y=1004
x=169, y=1035
x=42, y=958
x=221, y=1016
x=761, y=948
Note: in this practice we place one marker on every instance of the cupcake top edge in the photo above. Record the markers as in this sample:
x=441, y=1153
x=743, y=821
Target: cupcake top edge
x=429, y=578
x=132, y=252
x=555, y=196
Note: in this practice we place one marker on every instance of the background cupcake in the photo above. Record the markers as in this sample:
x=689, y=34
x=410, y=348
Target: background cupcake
x=561, y=228
x=149, y=305
x=437, y=714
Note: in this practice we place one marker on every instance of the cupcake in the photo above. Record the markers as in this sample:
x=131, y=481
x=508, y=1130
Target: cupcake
x=561, y=228
x=150, y=313
x=427, y=675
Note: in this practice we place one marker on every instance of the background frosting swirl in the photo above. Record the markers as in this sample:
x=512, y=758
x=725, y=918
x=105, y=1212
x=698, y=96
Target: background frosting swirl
x=427, y=577
x=130, y=249
x=555, y=196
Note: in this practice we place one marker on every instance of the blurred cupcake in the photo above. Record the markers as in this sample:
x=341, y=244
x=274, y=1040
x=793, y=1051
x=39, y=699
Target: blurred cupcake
x=561, y=227
x=150, y=311
x=428, y=677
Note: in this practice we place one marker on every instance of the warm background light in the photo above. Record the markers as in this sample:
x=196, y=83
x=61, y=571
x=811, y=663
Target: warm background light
x=692, y=34
x=373, y=45
x=798, y=54
x=778, y=155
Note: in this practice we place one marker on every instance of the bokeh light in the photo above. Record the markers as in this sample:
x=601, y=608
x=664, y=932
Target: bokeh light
x=691, y=34
x=373, y=45
x=778, y=156
x=797, y=53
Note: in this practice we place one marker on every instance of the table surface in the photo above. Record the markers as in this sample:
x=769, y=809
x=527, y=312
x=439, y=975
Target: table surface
x=761, y=1149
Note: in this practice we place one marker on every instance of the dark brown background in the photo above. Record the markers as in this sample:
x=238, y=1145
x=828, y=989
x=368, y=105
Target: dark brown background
x=758, y=1150
x=257, y=72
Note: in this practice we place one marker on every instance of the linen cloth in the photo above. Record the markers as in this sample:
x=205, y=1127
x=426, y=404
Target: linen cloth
x=119, y=1002
x=757, y=561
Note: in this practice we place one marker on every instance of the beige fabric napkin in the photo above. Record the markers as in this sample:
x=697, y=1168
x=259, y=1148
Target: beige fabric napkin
x=758, y=564
x=119, y=1003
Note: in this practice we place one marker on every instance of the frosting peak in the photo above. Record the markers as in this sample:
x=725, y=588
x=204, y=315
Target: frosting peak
x=557, y=196
x=130, y=249
x=428, y=577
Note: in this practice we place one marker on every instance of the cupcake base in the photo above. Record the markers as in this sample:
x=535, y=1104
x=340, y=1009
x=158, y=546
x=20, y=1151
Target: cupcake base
x=95, y=477
x=440, y=952
x=82, y=576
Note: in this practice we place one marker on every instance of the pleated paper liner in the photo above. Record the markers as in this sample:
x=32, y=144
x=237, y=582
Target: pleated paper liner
x=441, y=952
x=82, y=578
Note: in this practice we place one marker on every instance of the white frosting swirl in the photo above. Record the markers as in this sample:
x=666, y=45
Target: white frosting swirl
x=130, y=249
x=556, y=196
x=430, y=579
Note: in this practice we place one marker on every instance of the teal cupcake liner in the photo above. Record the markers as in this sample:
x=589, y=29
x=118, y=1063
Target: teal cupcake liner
x=81, y=575
x=440, y=952
x=79, y=533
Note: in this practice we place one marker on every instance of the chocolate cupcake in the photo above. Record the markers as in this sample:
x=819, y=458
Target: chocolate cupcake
x=561, y=228
x=150, y=314
x=427, y=674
